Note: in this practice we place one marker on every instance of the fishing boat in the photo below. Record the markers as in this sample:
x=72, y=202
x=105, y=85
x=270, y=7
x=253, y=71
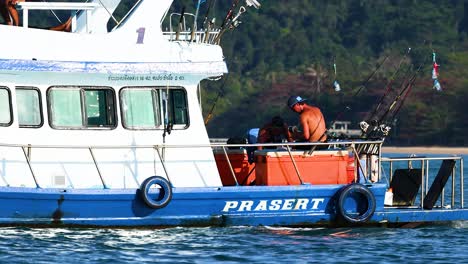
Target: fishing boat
x=104, y=128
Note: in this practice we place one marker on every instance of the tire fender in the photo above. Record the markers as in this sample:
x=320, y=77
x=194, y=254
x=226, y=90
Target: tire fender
x=161, y=199
x=365, y=201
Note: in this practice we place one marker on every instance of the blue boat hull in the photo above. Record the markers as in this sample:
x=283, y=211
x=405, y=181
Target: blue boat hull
x=304, y=205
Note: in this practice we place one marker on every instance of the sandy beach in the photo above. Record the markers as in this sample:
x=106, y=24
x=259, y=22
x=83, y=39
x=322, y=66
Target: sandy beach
x=426, y=150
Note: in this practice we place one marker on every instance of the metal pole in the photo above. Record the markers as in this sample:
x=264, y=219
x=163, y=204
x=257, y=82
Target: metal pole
x=110, y=14
x=380, y=163
x=427, y=175
x=442, y=197
x=30, y=167
x=461, y=183
x=369, y=166
x=359, y=162
x=3, y=175
x=97, y=168
x=162, y=163
x=126, y=15
x=426, y=182
x=422, y=186
x=230, y=165
x=390, y=171
x=25, y=17
x=294, y=164
x=453, y=187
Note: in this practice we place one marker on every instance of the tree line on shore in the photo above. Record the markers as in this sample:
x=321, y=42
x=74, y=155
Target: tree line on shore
x=291, y=47
x=302, y=46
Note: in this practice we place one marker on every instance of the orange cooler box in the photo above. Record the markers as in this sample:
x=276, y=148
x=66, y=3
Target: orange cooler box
x=244, y=171
x=322, y=167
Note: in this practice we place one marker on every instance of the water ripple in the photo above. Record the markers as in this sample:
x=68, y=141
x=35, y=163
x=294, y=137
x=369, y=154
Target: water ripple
x=435, y=244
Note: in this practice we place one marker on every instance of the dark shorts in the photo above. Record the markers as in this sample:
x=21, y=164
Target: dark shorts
x=309, y=147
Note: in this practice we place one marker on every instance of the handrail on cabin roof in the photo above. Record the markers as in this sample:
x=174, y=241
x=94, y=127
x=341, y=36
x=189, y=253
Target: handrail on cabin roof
x=56, y=6
x=26, y=6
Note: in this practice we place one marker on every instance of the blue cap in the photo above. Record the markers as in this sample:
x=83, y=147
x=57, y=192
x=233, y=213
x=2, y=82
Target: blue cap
x=294, y=100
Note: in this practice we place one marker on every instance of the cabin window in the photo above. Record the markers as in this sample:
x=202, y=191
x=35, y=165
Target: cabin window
x=29, y=105
x=81, y=107
x=178, y=107
x=140, y=108
x=5, y=107
x=145, y=107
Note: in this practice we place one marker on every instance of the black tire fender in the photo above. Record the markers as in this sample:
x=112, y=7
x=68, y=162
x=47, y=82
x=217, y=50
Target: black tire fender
x=164, y=196
x=365, y=203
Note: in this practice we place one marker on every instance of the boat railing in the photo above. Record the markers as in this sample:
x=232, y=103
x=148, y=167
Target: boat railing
x=424, y=165
x=363, y=152
x=183, y=32
x=73, y=7
x=351, y=146
x=27, y=150
x=370, y=165
x=186, y=30
x=366, y=155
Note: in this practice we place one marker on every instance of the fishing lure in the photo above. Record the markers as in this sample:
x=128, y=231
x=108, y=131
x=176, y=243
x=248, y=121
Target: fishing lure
x=435, y=73
x=336, y=85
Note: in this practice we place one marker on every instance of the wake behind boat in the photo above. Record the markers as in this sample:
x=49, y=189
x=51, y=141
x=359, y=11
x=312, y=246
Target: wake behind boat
x=105, y=128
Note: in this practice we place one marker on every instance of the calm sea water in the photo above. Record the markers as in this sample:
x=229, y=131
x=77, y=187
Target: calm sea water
x=430, y=244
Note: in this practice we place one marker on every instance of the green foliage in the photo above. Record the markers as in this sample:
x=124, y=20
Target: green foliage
x=288, y=47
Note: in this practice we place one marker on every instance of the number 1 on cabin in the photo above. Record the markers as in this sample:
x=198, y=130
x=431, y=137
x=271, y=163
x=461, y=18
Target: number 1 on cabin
x=141, y=35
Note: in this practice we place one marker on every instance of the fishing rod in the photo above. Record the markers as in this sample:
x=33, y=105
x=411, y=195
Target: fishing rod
x=381, y=128
x=388, y=86
x=229, y=24
x=195, y=26
x=207, y=13
x=397, y=110
x=405, y=96
x=404, y=86
x=220, y=93
x=363, y=85
x=229, y=13
x=231, y=21
x=408, y=86
x=167, y=124
x=373, y=121
x=181, y=20
x=208, y=23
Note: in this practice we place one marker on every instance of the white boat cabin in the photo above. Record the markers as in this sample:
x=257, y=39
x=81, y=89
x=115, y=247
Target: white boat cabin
x=97, y=109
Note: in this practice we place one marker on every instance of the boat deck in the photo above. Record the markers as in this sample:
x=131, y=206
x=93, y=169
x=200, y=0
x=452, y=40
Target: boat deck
x=299, y=204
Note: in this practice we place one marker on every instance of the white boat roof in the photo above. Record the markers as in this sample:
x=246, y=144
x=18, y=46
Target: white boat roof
x=122, y=51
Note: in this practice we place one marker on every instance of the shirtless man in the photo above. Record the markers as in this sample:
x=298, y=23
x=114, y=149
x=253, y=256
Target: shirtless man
x=311, y=119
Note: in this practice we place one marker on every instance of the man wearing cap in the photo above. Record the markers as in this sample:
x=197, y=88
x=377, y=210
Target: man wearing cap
x=311, y=119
